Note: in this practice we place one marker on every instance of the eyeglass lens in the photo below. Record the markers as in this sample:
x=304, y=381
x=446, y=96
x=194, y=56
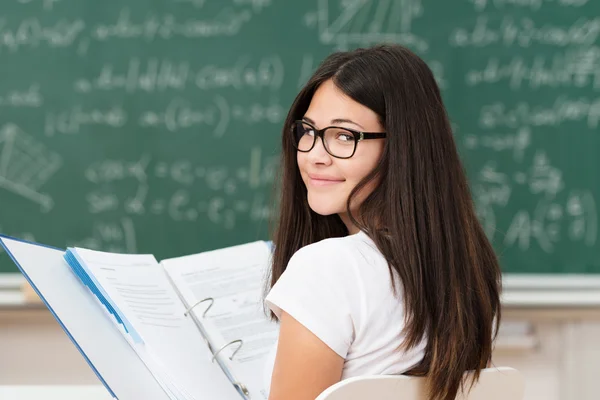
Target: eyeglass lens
x=339, y=142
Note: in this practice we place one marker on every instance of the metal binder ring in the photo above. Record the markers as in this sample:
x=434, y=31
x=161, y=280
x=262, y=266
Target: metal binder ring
x=212, y=301
x=240, y=341
x=243, y=388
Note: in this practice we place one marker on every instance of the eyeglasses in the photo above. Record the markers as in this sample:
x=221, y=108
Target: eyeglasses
x=339, y=142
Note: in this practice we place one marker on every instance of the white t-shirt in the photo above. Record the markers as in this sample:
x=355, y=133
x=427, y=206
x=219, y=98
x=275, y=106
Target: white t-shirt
x=340, y=289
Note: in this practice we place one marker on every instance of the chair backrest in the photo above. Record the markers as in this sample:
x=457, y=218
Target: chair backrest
x=501, y=383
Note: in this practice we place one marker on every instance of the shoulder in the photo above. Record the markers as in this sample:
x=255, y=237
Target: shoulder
x=339, y=252
x=324, y=250
x=322, y=263
x=331, y=264
x=352, y=266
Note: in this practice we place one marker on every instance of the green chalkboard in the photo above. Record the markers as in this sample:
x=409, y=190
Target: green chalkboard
x=153, y=126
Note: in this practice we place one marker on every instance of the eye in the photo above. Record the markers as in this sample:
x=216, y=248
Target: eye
x=307, y=130
x=345, y=137
x=341, y=135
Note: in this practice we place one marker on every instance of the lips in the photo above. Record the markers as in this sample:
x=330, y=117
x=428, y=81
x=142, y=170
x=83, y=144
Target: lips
x=323, y=180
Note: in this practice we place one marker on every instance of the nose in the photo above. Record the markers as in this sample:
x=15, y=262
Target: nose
x=318, y=154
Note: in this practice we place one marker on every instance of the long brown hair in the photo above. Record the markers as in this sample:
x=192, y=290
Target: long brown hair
x=421, y=215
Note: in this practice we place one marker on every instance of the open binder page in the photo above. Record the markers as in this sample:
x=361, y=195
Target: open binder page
x=141, y=290
x=234, y=279
x=93, y=333
x=80, y=268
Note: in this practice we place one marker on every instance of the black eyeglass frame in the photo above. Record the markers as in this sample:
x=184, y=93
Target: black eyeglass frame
x=358, y=136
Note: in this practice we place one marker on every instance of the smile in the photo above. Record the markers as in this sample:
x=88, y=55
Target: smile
x=323, y=182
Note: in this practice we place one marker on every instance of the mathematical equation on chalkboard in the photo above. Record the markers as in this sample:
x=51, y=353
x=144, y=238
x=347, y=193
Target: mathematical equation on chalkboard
x=520, y=88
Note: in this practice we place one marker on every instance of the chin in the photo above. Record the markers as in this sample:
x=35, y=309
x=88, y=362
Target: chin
x=323, y=212
x=324, y=206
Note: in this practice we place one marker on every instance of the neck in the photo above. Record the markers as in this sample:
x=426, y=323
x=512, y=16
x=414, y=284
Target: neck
x=352, y=229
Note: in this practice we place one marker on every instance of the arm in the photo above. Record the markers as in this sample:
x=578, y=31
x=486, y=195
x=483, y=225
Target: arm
x=304, y=365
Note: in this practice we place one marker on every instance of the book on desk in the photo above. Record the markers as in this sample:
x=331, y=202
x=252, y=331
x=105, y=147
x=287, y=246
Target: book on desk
x=191, y=327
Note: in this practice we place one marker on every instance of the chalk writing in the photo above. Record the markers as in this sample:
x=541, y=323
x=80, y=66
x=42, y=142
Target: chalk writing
x=481, y=5
x=525, y=33
x=195, y=3
x=153, y=75
x=492, y=187
x=268, y=73
x=307, y=68
x=521, y=196
x=546, y=223
x=516, y=142
x=563, y=110
x=47, y=4
x=257, y=5
x=182, y=205
x=113, y=236
x=26, y=165
x=273, y=113
x=75, y=119
x=543, y=177
x=30, y=97
x=108, y=171
x=258, y=172
x=495, y=187
x=179, y=115
x=31, y=32
x=438, y=71
x=368, y=21
x=199, y=191
x=557, y=215
x=577, y=68
x=158, y=75
x=227, y=22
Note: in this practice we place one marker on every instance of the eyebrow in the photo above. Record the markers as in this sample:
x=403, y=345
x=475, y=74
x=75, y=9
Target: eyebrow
x=336, y=121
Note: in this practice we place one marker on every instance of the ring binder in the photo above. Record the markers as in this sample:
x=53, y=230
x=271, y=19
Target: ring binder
x=212, y=301
x=240, y=386
x=240, y=341
x=157, y=369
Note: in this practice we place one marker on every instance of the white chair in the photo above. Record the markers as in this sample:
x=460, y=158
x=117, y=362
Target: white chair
x=500, y=383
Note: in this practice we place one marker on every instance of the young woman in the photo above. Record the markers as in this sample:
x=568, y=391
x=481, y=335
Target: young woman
x=380, y=264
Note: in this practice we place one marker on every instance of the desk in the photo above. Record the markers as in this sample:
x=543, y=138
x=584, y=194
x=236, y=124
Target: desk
x=54, y=393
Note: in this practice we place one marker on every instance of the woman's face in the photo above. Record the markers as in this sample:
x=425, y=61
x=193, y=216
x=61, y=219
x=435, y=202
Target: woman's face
x=330, y=180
